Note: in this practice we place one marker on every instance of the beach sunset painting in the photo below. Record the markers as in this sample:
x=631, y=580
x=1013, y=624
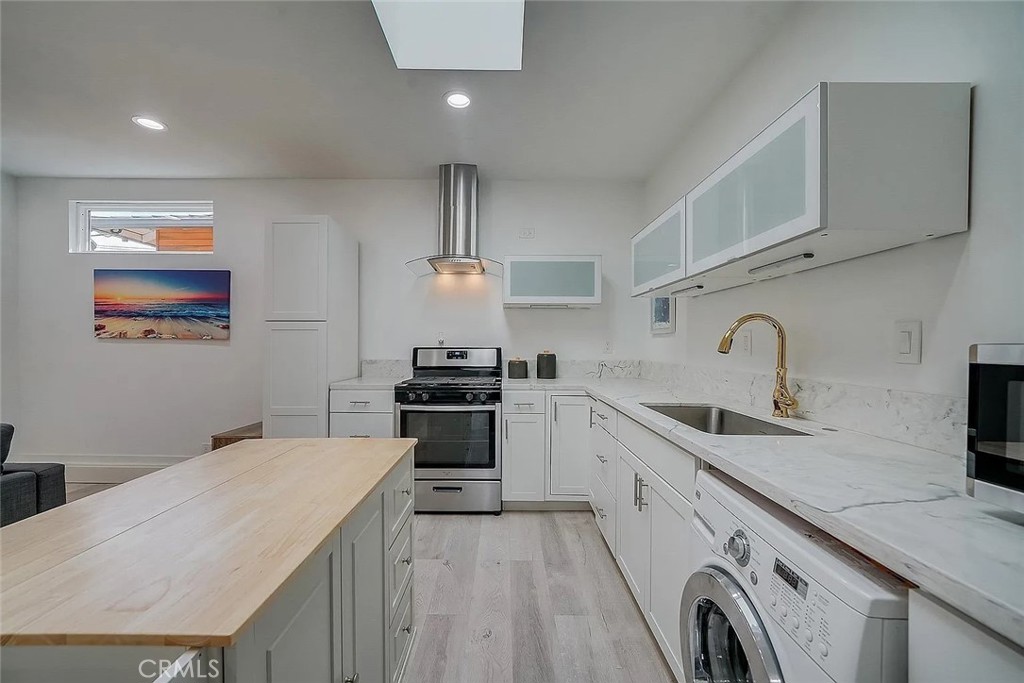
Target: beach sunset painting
x=162, y=304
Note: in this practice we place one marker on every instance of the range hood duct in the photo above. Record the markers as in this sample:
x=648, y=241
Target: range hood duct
x=456, y=226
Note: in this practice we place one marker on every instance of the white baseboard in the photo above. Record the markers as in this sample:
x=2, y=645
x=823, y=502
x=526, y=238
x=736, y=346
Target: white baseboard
x=84, y=468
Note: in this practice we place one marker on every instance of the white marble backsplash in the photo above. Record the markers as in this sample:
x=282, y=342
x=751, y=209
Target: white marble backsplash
x=930, y=421
x=599, y=369
x=386, y=368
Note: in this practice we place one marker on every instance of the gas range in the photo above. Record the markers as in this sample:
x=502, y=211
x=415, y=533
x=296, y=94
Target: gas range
x=443, y=376
x=449, y=390
x=452, y=406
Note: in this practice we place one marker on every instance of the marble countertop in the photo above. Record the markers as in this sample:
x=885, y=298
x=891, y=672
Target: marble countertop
x=903, y=506
x=367, y=383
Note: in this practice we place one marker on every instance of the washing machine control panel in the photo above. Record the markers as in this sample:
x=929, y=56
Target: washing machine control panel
x=827, y=630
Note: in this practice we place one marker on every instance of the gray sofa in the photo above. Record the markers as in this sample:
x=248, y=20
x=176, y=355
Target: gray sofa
x=27, y=489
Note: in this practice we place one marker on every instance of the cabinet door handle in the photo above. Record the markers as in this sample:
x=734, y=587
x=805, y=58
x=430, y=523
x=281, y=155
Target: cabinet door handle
x=506, y=427
x=603, y=417
x=352, y=679
x=359, y=403
x=407, y=492
x=407, y=560
x=636, y=488
x=604, y=461
x=407, y=629
x=591, y=416
x=359, y=436
x=600, y=513
x=641, y=503
x=555, y=404
x=524, y=403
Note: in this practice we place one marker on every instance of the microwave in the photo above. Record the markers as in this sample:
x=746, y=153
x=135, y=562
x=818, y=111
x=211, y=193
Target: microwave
x=995, y=424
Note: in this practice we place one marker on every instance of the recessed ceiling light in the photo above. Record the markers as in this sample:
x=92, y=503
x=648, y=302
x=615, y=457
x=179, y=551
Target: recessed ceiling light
x=149, y=122
x=457, y=99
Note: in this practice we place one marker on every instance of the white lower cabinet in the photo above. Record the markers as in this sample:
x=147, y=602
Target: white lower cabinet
x=522, y=466
x=633, y=545
x=569, y=456
x=602, y=502
x=295, y=639
x=670, y=517
x=946, y=646
x=363, y=614
x=400, y=638
x=363, y=425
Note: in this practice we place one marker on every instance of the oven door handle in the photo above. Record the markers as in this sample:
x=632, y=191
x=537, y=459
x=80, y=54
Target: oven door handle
x=450, y=409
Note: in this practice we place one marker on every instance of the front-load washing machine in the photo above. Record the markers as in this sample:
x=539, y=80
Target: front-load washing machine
x=772, y=599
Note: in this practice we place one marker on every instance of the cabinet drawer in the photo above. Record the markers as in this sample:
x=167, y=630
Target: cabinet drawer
x=677, y=467
x=603, y=463
x=603, y=503
x=362, y=401
x=400, y=637
x=398, y=499
x=605, y=416
x=367, y=425
x=522, y=402
x=400, y=561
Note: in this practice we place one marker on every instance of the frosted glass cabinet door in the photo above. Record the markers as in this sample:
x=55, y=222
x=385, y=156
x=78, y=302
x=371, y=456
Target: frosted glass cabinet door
x=765, y=194
x=658, y=251
x=552, y=280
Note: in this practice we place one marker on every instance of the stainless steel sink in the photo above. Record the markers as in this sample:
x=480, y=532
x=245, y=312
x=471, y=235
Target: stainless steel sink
x=716, y=420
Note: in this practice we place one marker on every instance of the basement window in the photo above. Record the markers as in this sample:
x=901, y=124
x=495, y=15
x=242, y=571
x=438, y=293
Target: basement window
x=141, y=227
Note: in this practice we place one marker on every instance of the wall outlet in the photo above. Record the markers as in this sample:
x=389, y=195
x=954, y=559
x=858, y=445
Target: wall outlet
x=609, y=347
x=527, y=233
x=746, y=343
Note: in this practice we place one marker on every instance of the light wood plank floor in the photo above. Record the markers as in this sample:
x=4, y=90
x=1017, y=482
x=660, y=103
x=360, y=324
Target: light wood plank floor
x=76, y=491
x=525, y=597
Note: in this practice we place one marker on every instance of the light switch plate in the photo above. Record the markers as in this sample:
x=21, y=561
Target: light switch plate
x=527, y=233
x=907, y=342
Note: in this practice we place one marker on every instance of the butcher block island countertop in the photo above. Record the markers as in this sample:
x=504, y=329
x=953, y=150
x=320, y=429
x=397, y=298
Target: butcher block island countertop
x=189, y=555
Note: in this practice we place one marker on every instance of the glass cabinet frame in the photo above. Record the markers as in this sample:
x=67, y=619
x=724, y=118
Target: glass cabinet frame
x=809, y=111
x=675, y=269
x=589, y=293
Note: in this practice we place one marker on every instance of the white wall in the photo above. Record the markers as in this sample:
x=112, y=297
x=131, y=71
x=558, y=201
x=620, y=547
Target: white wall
x=8, y=283
x=86, y=396
x=967, y=288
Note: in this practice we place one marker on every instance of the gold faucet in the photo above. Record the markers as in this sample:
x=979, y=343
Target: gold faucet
x=782, y=397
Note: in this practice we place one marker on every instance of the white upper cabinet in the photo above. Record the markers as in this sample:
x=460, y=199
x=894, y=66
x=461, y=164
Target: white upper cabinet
x=767, y=193
x=658, y=251
x=552, y=281
x=297, y=268
x=851, y=169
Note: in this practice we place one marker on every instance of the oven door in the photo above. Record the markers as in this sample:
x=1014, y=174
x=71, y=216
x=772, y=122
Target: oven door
x=454, y=442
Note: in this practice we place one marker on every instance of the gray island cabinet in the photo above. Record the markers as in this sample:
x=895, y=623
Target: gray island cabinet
x=273, y=561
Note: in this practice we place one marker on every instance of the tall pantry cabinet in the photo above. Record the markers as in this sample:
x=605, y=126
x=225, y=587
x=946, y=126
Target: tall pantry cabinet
x=311, y=304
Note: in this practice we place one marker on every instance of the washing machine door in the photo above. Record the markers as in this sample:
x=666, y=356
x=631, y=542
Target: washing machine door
x=723, y=638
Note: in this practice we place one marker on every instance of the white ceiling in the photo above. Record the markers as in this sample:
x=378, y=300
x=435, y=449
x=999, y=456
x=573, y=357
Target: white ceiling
x=310, y=90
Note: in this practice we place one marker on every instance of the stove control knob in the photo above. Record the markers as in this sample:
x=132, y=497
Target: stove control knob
x=794, y=623
x=482, y=396
x=469, y=395
x=424, y=396
x=412, y=395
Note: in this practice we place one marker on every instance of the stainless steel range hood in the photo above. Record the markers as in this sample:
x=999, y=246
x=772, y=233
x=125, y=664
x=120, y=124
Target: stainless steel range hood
x=456, y=229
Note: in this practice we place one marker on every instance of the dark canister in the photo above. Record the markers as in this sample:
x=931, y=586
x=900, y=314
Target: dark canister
x=546, y=365
x=517, y=369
